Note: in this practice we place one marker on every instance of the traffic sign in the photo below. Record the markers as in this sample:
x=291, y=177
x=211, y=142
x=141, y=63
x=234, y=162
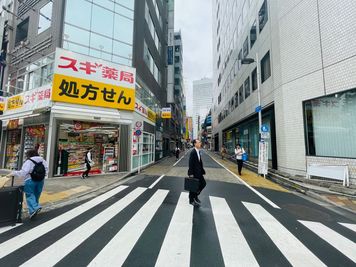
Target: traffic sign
x=265, y=135
x=138, y=124
x=138, y=132
x=264, y=128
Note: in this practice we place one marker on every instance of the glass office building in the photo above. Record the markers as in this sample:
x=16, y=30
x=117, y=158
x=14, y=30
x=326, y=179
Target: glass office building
x=103, y=29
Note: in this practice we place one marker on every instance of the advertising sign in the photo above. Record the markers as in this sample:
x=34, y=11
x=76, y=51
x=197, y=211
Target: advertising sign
x=80, y=79
x=145, y=111
x=263, y=158
x=30, y=100
x=2, y=103
x=166, y=113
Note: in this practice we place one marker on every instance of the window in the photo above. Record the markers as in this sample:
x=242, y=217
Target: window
x=219, y=98
x=246, y=48
x=254, y=79
x=219, y=79
x=241, y=94
x=263, y=15
x=22, y=31
x=45, y=17
x=236, y=99
x=176, y=70
x=177, y=48
x=176, y=59
x=253, y=35
x=265, y=67
x=330, y=127
x=247, y=87
x=151, y=64
x=239, y=58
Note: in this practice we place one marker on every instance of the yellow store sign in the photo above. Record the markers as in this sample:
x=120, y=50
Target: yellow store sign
x=166, y=113
x=88, y=92
x=15, y=102
x=2, y=103
x=151, y=115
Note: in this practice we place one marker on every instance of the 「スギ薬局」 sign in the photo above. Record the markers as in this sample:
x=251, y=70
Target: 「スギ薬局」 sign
x=84, y=80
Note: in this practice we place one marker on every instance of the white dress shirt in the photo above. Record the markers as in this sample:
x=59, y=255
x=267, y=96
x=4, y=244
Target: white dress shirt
x=198, y=152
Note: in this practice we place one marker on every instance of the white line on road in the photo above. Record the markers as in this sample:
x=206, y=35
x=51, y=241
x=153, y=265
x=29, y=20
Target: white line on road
x=234, y=247
x=21, y=240
x=58, y=250
x=248, y=186
x=155, y=182
x=8, y=228
x=180, y=158
x=294, y=250
x=350, y=226
x=119, y=248
x=344, y=245
x=175, y=250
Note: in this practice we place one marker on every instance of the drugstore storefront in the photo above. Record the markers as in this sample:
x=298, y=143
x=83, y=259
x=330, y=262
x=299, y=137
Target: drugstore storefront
x=82, y=108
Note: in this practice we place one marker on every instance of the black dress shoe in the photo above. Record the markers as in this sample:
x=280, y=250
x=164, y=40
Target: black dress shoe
x=197, y=200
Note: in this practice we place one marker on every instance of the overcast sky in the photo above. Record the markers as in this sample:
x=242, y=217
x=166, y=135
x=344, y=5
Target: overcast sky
x=193, y=18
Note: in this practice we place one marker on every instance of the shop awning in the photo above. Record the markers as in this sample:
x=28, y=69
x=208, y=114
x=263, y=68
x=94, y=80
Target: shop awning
x=88, y=113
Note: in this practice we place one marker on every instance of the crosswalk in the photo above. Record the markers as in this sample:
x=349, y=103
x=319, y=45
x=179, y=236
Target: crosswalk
x=247, y=234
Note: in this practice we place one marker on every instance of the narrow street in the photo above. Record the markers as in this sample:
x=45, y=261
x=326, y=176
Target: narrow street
x=147, y=221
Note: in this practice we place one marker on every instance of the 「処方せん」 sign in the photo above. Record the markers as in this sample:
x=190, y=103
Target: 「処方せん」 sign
x=83, y=80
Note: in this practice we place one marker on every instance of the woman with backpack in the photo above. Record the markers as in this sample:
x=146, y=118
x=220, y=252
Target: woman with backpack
x=239, y=151
x=34, y=170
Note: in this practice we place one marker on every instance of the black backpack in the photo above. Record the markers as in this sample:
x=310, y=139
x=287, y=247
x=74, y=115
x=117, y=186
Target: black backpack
x=39, y=171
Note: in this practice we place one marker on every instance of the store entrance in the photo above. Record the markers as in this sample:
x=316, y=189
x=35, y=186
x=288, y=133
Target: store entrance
x=75, y=137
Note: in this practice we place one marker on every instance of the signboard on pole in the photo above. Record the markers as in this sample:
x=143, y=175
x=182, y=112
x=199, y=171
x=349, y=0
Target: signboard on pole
x=166, y=113
x=263, y=158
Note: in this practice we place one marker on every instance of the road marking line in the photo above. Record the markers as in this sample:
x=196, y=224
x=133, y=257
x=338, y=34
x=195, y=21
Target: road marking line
x=58, y=250
x=8, y=228
x=341, y=243
x=350, y=226
x=21, y=240
x=180, y=159
x=119, y=248
x=175, y=250
x=155, y=182
x=248, y=186
x=234, y=247
x=293, y=249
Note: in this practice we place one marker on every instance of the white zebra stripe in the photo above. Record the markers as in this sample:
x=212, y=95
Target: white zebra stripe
x=350, y=226
x=58, y=250
x=175, y=250
x=295, y=252
x=234, y=247
x=21, y=240
x=118, y=249
x=341, y=243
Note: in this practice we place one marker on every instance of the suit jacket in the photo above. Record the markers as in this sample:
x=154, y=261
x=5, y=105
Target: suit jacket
x=195, y=165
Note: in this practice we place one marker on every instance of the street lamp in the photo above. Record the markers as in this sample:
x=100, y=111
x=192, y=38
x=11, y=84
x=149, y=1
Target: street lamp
x=247, y=61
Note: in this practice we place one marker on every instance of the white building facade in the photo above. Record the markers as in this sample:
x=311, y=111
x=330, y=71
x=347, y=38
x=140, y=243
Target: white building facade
x=202, y=102
x=307, y=74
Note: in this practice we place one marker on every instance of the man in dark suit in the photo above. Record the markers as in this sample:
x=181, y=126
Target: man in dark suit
x=196, y=170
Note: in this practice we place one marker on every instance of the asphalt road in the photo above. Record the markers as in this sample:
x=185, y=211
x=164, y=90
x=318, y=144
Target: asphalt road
x=149, y=222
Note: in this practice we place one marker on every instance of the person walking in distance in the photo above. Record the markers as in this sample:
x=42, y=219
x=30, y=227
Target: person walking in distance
x=238, y=153
x=34, y=170
x=197, y=171
x=88, y=163
x=177, y=151
x=223, y=152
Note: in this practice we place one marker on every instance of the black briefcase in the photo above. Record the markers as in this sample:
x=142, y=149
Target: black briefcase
x=11, y=199
x=191, y=184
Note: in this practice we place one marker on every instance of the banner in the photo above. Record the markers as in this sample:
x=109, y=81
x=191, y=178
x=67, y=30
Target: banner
x=263, y=158
x=30, y=100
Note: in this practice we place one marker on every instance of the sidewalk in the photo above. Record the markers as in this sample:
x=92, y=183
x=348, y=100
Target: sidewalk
x=329, y=192
x=61, y=191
